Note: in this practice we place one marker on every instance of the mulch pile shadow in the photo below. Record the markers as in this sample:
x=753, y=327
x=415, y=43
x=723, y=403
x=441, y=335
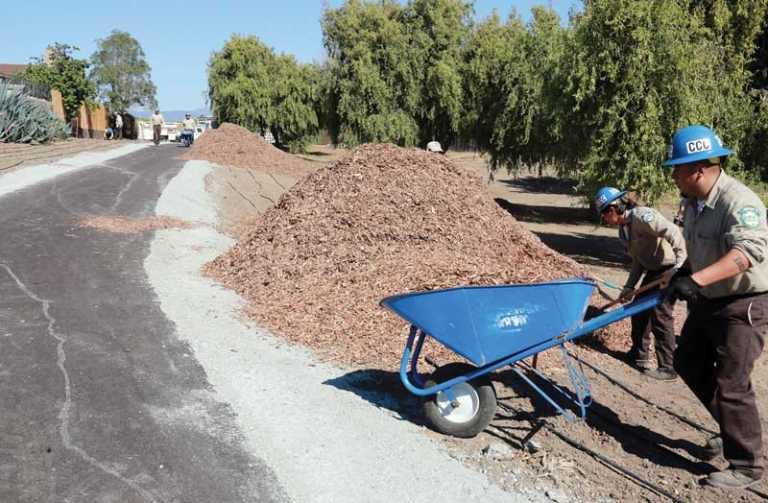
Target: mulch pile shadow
x=382, y=221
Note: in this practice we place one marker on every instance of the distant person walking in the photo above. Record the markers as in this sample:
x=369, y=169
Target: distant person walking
x=189, y=126
x=157, y=126
x=118, y=126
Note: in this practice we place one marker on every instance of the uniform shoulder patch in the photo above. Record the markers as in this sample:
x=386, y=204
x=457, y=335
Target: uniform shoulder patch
x=648, y=217
x=749, y=217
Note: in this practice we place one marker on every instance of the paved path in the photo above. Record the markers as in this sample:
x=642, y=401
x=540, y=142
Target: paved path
x=100, y=401
x=125, y=376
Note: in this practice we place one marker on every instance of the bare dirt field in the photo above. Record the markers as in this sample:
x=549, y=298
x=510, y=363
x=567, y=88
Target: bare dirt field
x=652, y=429
x=640, y=437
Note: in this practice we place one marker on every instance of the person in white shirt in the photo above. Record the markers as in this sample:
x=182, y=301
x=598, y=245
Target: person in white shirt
x=157, y=126
x=118, y=131
x=188, y=132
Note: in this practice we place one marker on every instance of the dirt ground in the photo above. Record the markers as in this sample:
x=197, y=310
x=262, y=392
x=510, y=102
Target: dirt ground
x=17, y=155
x=649, y=428
x=640, y=436
x=241, y=194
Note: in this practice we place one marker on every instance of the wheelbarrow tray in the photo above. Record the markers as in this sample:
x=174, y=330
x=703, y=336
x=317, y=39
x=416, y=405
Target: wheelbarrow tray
x=496, y=326
x=486, y=323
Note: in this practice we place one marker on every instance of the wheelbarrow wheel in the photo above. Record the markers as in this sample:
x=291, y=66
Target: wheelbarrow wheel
x=475, y=407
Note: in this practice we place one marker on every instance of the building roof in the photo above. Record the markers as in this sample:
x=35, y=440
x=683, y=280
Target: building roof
x=9, y=70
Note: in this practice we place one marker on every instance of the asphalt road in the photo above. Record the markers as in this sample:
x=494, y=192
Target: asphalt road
x=99, y=400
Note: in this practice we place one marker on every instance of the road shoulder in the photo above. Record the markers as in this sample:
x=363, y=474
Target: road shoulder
x=323, y=443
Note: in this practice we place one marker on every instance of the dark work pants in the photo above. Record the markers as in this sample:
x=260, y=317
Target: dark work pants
x=156, y=130
x=720, y=341
x=660, y=321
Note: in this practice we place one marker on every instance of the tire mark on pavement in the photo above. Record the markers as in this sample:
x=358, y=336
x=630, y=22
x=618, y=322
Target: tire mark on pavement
x=67, y=405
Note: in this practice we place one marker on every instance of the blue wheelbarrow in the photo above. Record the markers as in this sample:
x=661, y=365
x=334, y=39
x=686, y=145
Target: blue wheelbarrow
x=492, y=327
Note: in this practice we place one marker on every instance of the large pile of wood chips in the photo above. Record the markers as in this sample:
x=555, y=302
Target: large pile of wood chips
x=382, y=221
x=232, y=145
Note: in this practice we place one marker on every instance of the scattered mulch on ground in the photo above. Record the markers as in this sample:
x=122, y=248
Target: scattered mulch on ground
x=232, y=145
x=126, y=225
x=382, y=221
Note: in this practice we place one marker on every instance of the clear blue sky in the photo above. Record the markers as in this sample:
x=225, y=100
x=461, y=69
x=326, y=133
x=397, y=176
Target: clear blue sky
x=179, y=36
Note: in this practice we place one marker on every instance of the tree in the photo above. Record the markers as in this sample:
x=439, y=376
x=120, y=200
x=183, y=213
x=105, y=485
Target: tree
x=759, y=64
x=512, y=87
x=121, y=73
x=395, y=71
x=376, y=76
x=295, y=95
x=638, y=70
x=58, y=69
x=438, y=31
x=494, y=59
x=240, y=83
x=249, y=85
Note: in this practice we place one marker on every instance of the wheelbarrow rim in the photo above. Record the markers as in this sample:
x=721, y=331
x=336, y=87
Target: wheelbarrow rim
x=469, y=404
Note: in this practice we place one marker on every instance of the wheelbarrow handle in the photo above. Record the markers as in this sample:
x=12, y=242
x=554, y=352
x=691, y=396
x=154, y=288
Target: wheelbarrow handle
x=635, y=293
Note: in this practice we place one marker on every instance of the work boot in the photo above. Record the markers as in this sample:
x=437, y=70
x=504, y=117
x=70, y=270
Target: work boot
x=731, y=479
x=661, y=374
x=712, y=449
x=643, y=365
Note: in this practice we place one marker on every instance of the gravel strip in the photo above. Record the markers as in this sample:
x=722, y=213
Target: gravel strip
x=323, y=443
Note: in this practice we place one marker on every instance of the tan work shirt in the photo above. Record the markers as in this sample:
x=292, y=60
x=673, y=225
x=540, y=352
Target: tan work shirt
x=157, y=120
x=731, y=217
x=652, y=241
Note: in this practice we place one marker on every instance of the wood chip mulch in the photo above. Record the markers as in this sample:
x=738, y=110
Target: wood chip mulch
x=232, y=145
x=126, y=225
x=382, y=221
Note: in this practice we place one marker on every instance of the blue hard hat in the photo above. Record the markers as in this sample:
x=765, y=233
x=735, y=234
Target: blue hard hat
x=607, y=196
x=695, y=143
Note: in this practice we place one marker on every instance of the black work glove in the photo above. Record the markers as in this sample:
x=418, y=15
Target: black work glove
x=682, y=272
x=683, y=287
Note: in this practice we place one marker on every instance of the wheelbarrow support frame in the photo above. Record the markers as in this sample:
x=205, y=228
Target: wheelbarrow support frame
x=416, y=384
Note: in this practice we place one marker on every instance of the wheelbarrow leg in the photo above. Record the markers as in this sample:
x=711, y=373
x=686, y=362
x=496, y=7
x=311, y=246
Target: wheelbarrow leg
x=566, y=413
x=529, y=436
x=579, y=381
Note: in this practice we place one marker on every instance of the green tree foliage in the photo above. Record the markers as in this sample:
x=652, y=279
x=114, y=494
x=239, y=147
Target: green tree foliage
x=601, y=98
x=513, y=89
x=638, y=71
x=375, y=83
x=396, y=71
x=60, y=70
x=738, y=27
x=240, y=83
x=734, y=25
x=249, y=85
x=494, y=59
x=296, y=93
x=759, y=64
x=121, y=73
x=438, y=30
x=755, y=153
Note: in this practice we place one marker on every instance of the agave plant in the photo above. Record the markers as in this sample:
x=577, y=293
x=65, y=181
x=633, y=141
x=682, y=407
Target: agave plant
x=25, y=120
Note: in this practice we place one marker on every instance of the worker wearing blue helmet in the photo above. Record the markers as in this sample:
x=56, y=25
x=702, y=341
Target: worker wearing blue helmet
x=657, y=249
x=725, y=286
